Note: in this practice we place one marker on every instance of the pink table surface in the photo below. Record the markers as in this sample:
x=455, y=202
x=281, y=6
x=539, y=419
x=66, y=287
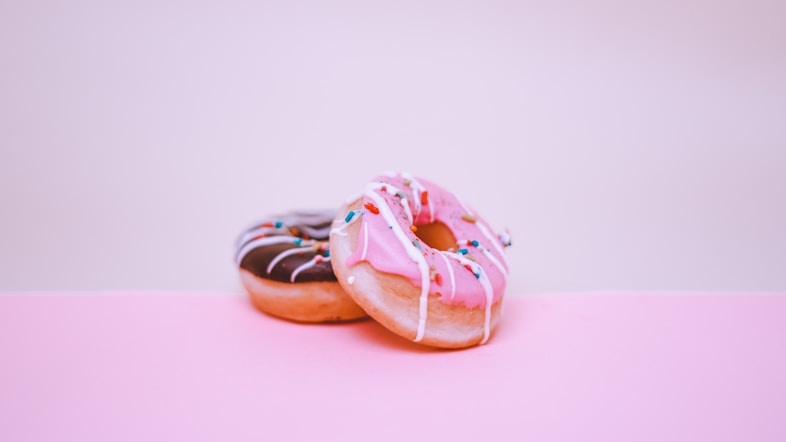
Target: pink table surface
x=601, y=367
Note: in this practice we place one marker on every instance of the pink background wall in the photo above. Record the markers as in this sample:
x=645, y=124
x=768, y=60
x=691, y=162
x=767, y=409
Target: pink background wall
x=627, y=146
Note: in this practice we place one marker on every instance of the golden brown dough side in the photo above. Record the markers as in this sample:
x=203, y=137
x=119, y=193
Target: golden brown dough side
x=394, y=301
x=301, y=302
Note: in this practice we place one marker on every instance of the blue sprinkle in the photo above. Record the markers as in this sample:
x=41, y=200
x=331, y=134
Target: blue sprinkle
x=279, y=224
x=327, y=253
x=298, y=241
x=349, y=216
x=475, y=243
x=463, y=251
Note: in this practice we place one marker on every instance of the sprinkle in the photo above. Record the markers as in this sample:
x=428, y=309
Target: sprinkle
x=504, y=238
x=350, y=215
x=298, y=241
x=267, y=225
x=327, y=253
x=279, y=224
x=257, y=237
x=384, y=188
x=463, y=251
x=469, y=218
x=416, y=243
x=468, y=267
x=372, y=208
x=318, y=258
x=294, y=231
x=413, y=228
x=472, y=242
x=424, y=197
x=407, y=181
x=438, y=279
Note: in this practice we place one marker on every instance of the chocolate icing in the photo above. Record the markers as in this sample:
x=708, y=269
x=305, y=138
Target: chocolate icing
x=299, y=240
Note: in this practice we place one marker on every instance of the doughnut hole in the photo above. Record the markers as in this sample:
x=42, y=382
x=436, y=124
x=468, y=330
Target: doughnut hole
x=436, y=235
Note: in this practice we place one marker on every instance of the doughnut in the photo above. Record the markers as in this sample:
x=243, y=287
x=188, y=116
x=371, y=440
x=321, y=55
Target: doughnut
x=285, y=266
x=420, y=262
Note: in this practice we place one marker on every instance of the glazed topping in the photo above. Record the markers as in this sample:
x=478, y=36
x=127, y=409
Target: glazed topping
x=471, y=272
x=288, y=248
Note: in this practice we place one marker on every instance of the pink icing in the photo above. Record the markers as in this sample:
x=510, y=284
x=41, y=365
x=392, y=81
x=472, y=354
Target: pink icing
x=471, y=274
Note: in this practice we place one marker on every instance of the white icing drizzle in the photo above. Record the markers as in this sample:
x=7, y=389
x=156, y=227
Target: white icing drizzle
x=452, y=275
x=494, y=260
x=413, y=253
x=494, y=241
x=365, y=242
x=392, y=190
x=418, y=190
x=341, y=230
x=284, y=254
x=266, y=241
x=303, y=220
x=488, y=254
x=486, y=284
x=308, y=265
x=259, y=231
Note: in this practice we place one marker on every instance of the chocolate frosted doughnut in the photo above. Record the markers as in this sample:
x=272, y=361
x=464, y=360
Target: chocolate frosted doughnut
x=284, y=264
x=288, y=248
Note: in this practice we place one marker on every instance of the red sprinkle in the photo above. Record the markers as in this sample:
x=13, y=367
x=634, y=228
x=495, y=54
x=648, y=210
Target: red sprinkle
x=371, y=208
x=438, y=279
x=424, y=197
x=318, y=258
x=384, y=188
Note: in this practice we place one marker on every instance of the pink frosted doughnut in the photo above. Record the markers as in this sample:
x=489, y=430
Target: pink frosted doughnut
x=420, y=262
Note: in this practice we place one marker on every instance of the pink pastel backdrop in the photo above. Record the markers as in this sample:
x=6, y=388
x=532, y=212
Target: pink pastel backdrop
x=635, y=150
x=627, y=146
x=604, y=367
